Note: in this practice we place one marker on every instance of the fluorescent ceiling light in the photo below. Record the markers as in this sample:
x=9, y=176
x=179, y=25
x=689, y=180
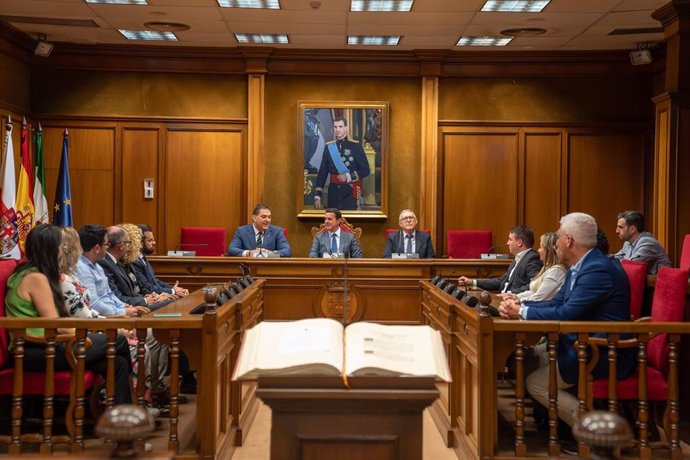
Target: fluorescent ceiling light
x=387, y=40
x=158, y=35
x=120, y=2
x=515, y=6
x=381, y=5
x=265, y=4
x=262, y=38
x=483, y=41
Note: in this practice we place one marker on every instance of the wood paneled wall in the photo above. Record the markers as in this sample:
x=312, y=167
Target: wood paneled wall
x=198, y=171
x=497, y=176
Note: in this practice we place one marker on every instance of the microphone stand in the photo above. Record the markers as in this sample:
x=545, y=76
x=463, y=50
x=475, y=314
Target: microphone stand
x=345, y=296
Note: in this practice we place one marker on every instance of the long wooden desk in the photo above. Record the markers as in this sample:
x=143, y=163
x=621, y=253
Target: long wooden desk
x=382, y=290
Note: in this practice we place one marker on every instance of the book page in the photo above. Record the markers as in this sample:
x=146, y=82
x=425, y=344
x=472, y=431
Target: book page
x=290, y=348
x=375, y=349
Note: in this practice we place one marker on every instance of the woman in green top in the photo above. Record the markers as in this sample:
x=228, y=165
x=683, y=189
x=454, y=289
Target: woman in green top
x=33, y=290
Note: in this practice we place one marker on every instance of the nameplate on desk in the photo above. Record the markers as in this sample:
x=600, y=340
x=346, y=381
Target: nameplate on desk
x=333, y=255
x=181, y=253
x=266, y=254
x=402, y=255
x=494, y=256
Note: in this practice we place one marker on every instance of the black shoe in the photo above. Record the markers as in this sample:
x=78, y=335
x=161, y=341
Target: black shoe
x=188, y=384
x=568, y=446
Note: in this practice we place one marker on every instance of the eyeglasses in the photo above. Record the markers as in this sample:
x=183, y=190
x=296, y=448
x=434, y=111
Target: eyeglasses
x=106, y=244
x=126, y=242
x=407, y=218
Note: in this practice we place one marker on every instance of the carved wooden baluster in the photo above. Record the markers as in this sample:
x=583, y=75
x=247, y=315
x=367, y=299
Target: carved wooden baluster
x=582, y=379
x=141, y=366
x=643, y=411
x=552, y=348
x=110, y=351
x=174, y=350
x=77, y=381
x=520, y=447
x=613, y=378
x=17, y=391
x=674, y=416
x=48, y=396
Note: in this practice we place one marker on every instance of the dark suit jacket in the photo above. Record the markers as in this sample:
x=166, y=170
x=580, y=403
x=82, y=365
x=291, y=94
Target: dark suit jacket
x=600, y=293
x=146, y=278
x=423, y=245
x=273, y=240
x=348, y=245
x=528, y=268
x=120, y=282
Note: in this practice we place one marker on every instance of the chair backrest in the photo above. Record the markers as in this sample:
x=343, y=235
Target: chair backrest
x=285, y=232
x=206, y=241
x=394, y=230
x=637, y=279
x=668, y=305
x=685, y=254
x=344, y=226
x=468, y=244
x=6, y=268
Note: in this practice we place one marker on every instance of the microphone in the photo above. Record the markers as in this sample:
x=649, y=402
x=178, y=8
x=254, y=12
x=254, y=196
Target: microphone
x=346, y=255
x=246, y=269
x=491, y=255
x=469, y=300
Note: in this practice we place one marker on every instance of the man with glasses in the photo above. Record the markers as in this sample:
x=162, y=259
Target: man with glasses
x=95, y=244
x=594, y=290
x=409, y=240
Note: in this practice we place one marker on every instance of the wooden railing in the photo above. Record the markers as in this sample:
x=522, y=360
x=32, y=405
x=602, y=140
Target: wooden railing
x=210, y=340
x=478, y=347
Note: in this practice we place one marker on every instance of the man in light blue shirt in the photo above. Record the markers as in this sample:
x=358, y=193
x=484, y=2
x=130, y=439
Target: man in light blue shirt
x=94, y=243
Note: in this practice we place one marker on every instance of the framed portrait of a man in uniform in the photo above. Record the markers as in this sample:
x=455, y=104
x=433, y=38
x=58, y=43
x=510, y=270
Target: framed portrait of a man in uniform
x=344, y=155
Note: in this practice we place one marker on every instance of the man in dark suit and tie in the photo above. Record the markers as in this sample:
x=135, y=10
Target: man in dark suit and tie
x=144, y=271
x=525, y=266
x=595, y=289
x=333, y=240
x=409, y=240
x=255, y=239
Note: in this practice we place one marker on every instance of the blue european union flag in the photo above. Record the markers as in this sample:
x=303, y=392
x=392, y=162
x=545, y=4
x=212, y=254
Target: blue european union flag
x=62, y=208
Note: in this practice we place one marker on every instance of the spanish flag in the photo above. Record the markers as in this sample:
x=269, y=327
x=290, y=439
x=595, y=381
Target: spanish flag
x=25, y=203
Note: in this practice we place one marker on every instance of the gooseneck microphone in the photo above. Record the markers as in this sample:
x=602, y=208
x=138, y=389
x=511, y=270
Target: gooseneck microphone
x=491, y=249
x=346, y=255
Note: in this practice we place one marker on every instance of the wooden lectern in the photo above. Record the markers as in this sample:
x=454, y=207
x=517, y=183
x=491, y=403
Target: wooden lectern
x=317, y=417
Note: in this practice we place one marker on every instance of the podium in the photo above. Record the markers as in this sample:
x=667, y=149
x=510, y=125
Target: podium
x=317, y=417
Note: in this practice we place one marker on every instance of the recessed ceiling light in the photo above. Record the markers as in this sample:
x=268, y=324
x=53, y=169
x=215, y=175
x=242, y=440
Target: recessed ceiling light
x=483, y=41
x=515, y=6
x=262, y=38
x=265, y=4
x=155, y=35
x=381, y=5
x=120, y=2
x=385, y=40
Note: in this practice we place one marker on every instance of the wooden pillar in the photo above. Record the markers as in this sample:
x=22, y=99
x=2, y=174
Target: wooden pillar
x=256, y=68
x=428, y=205
x=671, y=215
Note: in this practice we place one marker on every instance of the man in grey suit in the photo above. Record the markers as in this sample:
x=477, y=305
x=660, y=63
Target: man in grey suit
x=525, y=266
x=638, y=244
x=333, y=241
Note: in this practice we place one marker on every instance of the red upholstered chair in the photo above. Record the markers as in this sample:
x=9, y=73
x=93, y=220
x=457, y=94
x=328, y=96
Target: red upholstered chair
x=685, y=254
x=637, y=278
x=668, y=306
x=468, y=244
x=34, y=384
x=206, y=241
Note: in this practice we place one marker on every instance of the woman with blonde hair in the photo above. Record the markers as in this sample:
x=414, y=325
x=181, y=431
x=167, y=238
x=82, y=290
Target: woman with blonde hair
x=76, y=295
x=549, y=280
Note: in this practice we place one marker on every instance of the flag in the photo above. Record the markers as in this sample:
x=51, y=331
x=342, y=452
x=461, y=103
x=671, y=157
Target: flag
x=24, y=205
x=62, y=208
x=9, y=242
x=40, y=201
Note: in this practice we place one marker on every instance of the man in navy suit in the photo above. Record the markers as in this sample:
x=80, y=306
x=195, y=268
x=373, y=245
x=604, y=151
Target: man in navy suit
x=143, y=270
x=333, y=241
x=253, y=240
x=519, y=274
x=409, y=240
x=594, y=290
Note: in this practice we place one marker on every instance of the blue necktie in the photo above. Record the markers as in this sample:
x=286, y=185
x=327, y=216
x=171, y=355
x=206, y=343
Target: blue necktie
x=334, y=243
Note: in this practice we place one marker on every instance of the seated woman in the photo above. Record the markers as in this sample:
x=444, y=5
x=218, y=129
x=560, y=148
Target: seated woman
x=549, y=280
x=33, y=290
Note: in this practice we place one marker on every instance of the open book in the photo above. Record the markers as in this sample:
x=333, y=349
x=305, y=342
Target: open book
x=322, y=347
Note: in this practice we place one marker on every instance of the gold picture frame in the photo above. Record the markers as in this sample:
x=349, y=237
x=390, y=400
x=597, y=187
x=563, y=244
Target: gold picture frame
x=357, y=164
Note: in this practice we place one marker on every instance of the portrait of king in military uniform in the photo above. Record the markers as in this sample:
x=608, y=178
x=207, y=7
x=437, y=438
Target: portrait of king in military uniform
x=343, y=159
